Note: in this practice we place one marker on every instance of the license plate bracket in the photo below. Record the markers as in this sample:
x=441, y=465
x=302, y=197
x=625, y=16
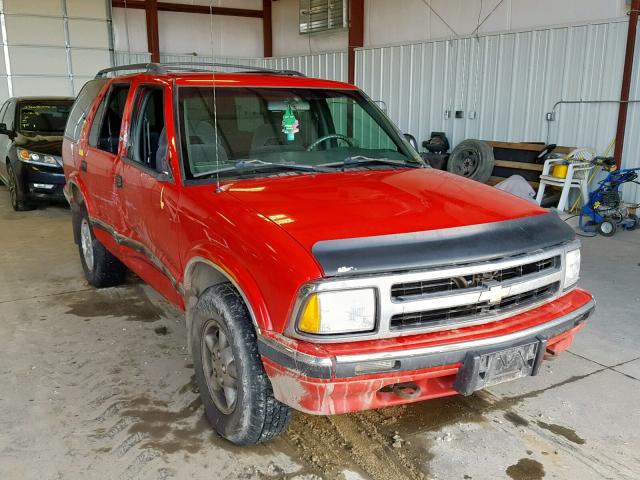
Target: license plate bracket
x=490, y=367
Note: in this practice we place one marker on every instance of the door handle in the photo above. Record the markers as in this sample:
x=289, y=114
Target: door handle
x=118, y=181
x=83, y=165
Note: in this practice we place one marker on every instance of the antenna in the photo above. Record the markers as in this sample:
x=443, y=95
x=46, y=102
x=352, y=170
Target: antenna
x=215, y=108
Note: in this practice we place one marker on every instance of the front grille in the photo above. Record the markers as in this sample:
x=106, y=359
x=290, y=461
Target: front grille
x=444, y=316
x=400, y=291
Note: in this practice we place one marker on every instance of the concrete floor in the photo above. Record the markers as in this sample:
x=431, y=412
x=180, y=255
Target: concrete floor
x=97, y=384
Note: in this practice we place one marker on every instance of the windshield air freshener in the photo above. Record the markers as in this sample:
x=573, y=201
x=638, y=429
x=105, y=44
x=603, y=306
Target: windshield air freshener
x=290, y=125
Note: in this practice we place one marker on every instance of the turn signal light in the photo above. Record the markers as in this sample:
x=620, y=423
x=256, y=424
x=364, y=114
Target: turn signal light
x=310, y=318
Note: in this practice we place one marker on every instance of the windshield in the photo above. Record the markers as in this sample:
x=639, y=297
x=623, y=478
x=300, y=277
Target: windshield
x=43, y=117
x=284, y=127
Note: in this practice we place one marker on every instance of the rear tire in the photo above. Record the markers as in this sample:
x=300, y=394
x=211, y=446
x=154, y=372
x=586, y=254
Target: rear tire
x=235, y=390
x=101, y=268
x=19, y=200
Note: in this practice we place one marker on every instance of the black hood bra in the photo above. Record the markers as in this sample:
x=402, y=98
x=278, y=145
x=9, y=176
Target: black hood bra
x=446, y=247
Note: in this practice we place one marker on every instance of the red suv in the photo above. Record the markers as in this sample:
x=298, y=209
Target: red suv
x=321, y=264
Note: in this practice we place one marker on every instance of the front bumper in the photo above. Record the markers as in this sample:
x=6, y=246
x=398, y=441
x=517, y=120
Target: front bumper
x=41, y=182
x=331, y=379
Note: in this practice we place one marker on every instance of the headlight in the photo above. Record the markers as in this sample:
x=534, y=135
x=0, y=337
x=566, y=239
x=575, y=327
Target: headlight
x=37, y=158
x=572, y=268
x=346, y=311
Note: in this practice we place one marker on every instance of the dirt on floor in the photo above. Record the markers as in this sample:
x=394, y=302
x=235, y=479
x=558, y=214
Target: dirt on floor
x=99, y=384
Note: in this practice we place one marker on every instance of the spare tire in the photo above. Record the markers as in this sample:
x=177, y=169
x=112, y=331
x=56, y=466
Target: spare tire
x=472, y=159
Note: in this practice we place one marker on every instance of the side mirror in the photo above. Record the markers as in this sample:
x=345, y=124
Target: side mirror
x=5, y=131
x=164, y=177
x=382, y=105
x=164, y=169
x=412, y=140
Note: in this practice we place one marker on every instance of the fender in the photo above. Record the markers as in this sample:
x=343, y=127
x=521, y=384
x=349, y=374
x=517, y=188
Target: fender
x=75, y=181
x=232, y=271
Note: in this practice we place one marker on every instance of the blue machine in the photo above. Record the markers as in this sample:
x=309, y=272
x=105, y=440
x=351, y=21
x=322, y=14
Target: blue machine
x=605, y=213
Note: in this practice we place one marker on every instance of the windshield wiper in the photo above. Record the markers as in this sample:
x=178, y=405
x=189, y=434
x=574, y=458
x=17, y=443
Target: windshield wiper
x=361, y=160
x=256, y=165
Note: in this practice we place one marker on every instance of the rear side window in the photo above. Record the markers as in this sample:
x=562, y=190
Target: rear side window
x=10, y=115
x=81, y=108
x=105, y=130
x=3, y=110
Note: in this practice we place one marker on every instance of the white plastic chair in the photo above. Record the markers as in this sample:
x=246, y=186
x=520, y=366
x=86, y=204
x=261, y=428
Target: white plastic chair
x=578, y=172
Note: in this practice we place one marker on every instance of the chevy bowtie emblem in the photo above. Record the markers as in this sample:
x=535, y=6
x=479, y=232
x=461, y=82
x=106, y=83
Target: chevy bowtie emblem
x=495, y=294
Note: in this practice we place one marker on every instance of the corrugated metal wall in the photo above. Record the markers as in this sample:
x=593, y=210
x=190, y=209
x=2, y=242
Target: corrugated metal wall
x=124, y=58
x=332, y=65
x=127, y=58
x=500, y=86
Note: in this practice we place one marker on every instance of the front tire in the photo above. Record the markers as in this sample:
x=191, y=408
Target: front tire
x=236, y=393
x=19, y=200
x=101, y=268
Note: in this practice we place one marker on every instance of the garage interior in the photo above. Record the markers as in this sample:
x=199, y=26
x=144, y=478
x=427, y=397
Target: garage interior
x=99, y=383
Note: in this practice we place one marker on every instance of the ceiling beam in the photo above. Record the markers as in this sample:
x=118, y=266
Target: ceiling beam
x=185, y=8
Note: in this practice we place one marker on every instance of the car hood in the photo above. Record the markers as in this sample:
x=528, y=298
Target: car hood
x=46, y=144
x=317, y=207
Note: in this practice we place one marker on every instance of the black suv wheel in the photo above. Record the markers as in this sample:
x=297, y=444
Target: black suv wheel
x=236, y=393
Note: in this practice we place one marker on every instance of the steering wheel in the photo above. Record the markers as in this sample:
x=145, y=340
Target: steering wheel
x=339, y=136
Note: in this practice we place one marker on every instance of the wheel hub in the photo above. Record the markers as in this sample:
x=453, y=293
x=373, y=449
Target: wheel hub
x=12, y=187
x=469, y=162
x=219, y=367
x=86, y=243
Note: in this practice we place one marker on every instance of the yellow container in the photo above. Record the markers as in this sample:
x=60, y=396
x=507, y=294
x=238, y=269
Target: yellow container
x=560, y=170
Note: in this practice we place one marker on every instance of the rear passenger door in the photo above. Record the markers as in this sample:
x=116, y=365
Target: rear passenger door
x=148, y=195
x=98, y=162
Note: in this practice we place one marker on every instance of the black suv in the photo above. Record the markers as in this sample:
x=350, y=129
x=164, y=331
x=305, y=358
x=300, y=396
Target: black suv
x=31, y=131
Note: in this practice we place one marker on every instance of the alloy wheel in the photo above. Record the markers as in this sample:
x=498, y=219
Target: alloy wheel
x=87, y=243
x=219, y=366
x=13, y=185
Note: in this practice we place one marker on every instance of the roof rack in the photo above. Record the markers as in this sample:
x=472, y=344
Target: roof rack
x=160, y=68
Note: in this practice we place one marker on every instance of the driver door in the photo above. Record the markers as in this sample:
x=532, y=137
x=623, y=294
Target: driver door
x=148, y=194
